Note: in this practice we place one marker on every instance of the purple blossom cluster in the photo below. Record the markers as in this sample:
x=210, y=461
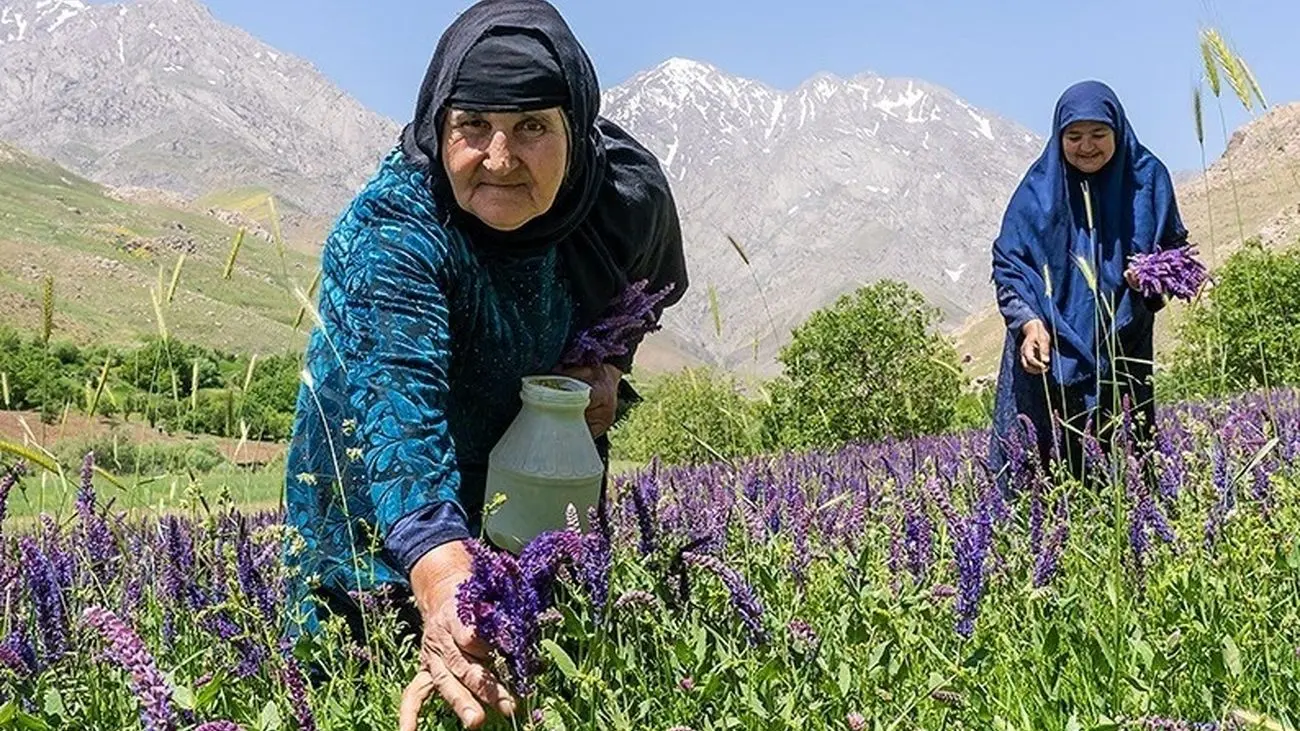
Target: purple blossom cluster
x=126, y=650
x=506, y=598
x=631, y=316
x=1175, y=272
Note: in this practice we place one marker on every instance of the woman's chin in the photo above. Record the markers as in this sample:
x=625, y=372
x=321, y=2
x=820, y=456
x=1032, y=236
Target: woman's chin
x=502, y=220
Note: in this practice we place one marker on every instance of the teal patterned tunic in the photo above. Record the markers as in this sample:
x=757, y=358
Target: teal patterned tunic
x=412, y=375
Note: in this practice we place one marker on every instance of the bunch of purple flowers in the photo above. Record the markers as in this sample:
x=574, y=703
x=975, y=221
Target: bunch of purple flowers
x=631, y=316
x=505, y=596
x=1175, y=272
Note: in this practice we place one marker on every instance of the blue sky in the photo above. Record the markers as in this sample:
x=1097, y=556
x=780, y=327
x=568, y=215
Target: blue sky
x=1013, y=57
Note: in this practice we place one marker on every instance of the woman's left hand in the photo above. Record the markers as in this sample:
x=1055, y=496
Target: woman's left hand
x=1131, y=277
x=603, y=380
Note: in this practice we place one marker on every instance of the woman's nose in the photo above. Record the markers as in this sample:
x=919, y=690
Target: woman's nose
x=499, y=159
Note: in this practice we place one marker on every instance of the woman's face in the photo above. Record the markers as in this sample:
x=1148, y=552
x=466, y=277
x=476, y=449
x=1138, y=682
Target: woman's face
x=1088, y=146
x=505, y=167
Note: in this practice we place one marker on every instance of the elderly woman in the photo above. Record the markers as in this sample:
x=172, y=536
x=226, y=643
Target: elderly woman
x=506, y=221
x=1079, y=331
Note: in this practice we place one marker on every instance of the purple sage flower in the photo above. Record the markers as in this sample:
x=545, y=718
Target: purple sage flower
x=47, y=596
x=17, y=654
x=743, y=597
x=127, y=651
x=631, y=316
x=1175, y=272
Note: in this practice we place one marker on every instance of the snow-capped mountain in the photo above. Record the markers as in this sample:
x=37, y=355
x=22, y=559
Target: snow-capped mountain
x=829, y=186
x=158, y=93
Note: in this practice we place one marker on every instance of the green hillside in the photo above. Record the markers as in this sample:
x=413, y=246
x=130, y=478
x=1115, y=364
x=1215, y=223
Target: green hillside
x=106, y=255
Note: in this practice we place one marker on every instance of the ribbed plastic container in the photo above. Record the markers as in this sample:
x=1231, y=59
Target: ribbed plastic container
x=546, y=460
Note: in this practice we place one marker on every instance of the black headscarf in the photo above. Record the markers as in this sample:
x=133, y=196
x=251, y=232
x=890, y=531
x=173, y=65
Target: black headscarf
x=614, y=219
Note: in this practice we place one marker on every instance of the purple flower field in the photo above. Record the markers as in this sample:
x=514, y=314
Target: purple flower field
x=881, y=586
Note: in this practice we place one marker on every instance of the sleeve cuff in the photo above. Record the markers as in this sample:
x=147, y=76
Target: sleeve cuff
x=423, y=530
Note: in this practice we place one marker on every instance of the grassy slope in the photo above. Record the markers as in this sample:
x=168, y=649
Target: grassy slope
x=52, y=221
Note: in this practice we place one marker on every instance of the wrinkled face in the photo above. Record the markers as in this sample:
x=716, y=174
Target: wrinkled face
x=505, y=167
x=1088, y=146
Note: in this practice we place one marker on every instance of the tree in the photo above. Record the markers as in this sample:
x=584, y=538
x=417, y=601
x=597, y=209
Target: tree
x=866, y=367
x=689, y=417
x=1245, y=332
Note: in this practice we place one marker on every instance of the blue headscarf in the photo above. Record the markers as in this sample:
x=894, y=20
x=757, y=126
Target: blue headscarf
x=1045, y=232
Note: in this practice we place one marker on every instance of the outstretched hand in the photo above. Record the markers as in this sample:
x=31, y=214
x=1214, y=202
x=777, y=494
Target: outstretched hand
x=454, y=661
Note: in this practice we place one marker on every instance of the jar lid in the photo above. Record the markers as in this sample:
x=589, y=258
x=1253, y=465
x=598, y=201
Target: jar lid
x=555, y=389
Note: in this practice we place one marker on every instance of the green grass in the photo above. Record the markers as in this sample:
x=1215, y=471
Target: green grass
x=47, y=493
x=52, y=221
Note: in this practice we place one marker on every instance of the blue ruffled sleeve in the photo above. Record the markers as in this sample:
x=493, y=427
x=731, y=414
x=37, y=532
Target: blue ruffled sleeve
x=1015, y=311
x=397, y=380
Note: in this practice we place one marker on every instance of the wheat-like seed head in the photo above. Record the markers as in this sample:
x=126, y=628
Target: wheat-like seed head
x=1089, y=275
x=47, y=308
x=1211, y=68
x=176, y=278
x=157, y=311
x=248, y=375
x=1228, y=61
x=194, y=385
x=715, y=310
x=234, y=252
x=1254, y=84
x=736, y=245
x=1198, y=114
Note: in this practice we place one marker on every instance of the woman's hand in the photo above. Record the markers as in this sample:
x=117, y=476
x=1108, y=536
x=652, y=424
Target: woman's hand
x=1131, y=277
x=453, y=660
x=603, y=380
x=1035, y=348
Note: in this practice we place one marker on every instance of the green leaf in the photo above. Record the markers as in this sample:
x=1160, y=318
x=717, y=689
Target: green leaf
x=184, y=697
x=32, y=723
x=701, y=645
x=1052, y=642
x=54, y=704
x=975, y=658
x=1231, y=656
x=270, y=719
x=561, y=660
x=209, y=692
x=1073, y=724
x=1145, y=654
x=7, y=712
x=877, y=652
x=1293, y=558
x=844, y=679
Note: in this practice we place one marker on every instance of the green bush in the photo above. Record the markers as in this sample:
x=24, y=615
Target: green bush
x=868, y=366
x=1244, y=333
x=689, y=417
x=120, y=456
x=154, y=382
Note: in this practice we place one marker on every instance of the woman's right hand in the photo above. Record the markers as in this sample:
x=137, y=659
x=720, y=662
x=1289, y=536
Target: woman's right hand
x=453, y=660
x=1035, y=348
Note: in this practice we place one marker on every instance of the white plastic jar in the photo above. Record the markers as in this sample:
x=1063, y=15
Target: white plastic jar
x=545, y=461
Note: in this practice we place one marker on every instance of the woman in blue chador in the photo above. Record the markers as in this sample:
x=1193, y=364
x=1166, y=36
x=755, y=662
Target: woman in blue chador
x=1079, y=331
x=506, y=220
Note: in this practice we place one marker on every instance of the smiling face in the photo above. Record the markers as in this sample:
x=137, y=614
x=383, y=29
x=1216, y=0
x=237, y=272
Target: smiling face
x=1088, y=146
x=505, y=167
